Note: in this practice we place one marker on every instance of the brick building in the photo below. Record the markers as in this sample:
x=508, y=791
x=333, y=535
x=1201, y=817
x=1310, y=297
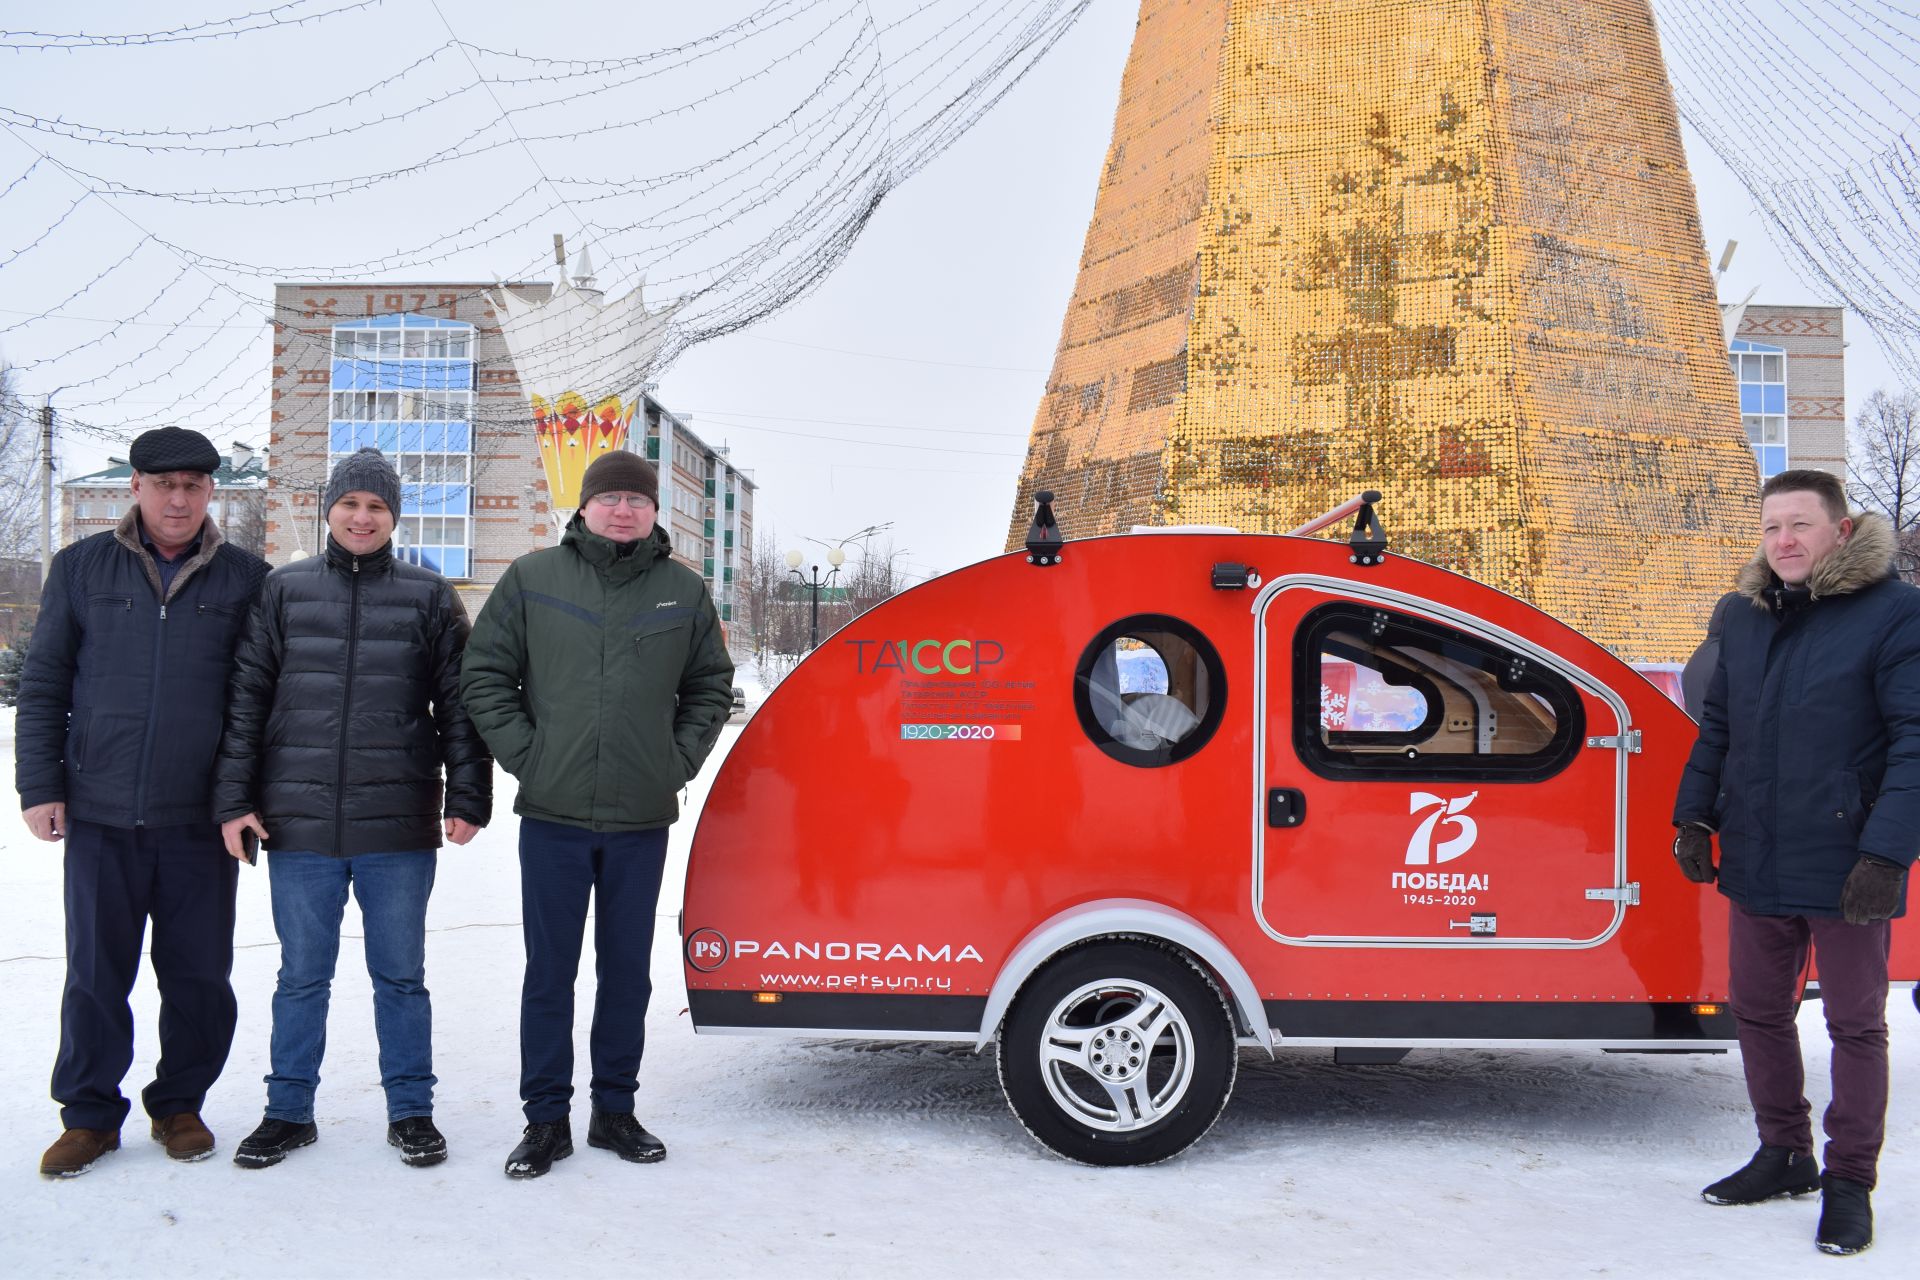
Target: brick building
x=422, y=372
x=1790, y=364
x=95, y=502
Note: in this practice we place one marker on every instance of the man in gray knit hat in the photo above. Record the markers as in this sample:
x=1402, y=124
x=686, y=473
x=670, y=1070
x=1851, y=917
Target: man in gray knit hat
x=345, y=702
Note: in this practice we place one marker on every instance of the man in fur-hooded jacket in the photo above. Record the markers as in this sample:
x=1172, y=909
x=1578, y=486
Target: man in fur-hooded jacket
x=1808, y=768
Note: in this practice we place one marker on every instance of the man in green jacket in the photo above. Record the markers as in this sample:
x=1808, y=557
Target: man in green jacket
x=599, y=678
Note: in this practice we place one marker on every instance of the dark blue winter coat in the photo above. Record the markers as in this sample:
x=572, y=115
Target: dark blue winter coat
x=1809, y=747
x=124, y=692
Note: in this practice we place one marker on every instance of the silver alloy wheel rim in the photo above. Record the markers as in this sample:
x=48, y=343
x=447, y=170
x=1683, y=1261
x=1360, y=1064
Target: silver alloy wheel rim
x=1105, y=1034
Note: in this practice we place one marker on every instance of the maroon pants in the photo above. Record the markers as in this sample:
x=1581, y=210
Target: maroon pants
x=1767, y=955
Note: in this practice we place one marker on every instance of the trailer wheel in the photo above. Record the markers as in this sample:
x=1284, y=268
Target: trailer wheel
x=1118, y=1054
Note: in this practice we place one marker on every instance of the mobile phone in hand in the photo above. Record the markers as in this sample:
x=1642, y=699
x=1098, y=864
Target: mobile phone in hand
x=250, y=845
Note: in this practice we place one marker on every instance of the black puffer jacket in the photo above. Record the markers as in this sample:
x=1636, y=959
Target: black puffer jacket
x=344, y=704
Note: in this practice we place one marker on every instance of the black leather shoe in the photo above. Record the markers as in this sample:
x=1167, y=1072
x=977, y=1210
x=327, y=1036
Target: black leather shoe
x=271, y=1141
x=1773, y=1172
x=420, y=1143
x=1846, y=1215
x=620, y=1133
x=539, y=1147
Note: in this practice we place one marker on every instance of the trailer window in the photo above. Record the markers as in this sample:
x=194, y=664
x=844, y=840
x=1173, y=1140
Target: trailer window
x=1150, y=690
x=1383, y=694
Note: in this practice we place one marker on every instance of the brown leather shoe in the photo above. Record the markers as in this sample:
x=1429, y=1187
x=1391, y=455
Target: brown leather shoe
x=76, y=1152
x=184, y=1136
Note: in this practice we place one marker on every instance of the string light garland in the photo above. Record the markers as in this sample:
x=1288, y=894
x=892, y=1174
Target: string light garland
x=291, y=14
x=1813, y=107
x=737, y=233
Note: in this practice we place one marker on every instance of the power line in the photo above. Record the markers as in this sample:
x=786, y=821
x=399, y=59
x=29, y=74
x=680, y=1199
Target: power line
x=875, y=355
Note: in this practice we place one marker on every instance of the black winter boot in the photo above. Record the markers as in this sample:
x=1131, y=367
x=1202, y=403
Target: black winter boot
x=1773, y=1172
x=1846, y=1215
x=620, y=1133
x=271, y=1141
x=420, y=1143
x=540, y=1145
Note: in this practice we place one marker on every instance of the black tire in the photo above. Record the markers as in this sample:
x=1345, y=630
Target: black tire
x=1081, y=1074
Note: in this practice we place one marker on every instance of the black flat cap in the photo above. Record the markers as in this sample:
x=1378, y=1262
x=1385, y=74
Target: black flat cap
x=173, y=449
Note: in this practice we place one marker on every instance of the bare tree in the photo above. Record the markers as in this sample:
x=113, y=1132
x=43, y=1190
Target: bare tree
x=245, y=524
x=19, y=515
x=872, y=578
x=19, y=498
x=1884, y=467
x=779, y=608
x=763, y=597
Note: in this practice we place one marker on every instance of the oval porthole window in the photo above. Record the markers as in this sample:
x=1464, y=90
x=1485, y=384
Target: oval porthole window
x=1150, y=690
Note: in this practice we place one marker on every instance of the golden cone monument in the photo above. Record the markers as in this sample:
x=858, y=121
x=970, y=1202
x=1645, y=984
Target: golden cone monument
x=1448, y=249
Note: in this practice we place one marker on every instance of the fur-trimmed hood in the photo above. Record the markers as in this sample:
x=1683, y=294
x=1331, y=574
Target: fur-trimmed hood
x=1866, y=557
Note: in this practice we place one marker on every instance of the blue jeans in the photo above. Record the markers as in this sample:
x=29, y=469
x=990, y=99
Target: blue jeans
x=560, y=867
x=309, y=895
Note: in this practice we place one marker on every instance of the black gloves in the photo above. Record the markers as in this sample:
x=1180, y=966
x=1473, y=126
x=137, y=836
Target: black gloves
x=1872, y=891
x=1693, y=850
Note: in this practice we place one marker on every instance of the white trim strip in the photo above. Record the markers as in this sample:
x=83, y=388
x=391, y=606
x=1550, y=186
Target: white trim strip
x=1342, y=588
x=838, y=1033
x=1454, y=1042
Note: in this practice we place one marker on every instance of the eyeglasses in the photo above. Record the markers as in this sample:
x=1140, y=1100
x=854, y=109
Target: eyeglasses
x=639, y=501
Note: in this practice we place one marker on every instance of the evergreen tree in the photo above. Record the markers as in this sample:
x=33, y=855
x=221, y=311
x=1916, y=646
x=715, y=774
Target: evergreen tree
x=12, y=662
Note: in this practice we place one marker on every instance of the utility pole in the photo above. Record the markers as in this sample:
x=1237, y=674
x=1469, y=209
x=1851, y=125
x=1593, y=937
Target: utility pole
x=46, y=490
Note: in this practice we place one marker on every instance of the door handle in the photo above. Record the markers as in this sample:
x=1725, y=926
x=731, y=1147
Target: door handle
x=1286, y=807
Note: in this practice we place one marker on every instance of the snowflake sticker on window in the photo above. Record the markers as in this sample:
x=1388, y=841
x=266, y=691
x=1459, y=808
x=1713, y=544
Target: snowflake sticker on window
x=1333, y=709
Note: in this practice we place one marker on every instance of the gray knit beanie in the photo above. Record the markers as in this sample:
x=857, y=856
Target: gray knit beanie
x=367, y=471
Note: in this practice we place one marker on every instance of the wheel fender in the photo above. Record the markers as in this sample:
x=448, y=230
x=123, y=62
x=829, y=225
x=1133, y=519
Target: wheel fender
x=1109, y=916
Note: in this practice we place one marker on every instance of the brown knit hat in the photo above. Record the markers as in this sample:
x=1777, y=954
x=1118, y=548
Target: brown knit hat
x=619, y=472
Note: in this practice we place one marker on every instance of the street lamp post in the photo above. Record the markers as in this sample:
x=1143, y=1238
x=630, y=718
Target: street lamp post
x=835, y=557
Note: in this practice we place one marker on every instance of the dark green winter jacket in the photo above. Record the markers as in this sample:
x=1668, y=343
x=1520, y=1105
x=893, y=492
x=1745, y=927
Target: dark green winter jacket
x=599, y=680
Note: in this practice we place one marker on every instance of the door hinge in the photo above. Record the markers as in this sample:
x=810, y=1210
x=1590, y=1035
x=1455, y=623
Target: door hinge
x=1628, y=893
x=1630, y=740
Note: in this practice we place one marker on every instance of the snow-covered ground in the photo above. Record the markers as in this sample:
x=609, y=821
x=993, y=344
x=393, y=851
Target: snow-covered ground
x=832, y=1158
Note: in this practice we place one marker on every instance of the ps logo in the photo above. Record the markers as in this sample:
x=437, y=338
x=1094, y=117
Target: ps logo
x=706, y=950
x=1422, y=849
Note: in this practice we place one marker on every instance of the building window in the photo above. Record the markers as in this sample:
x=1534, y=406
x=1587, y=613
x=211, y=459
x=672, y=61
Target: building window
x=81, y=511
x=1761, y=372
x=404, y=385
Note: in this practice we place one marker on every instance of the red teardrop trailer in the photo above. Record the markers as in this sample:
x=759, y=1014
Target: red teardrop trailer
x=1124, y=805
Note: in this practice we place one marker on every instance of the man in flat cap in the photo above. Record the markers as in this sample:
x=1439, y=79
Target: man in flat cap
x=598, y=676
x=120, y=712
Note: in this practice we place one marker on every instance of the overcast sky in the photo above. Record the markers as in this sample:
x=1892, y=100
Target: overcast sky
x=899, y=391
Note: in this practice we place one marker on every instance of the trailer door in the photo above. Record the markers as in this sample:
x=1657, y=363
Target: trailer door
x=1429, y=780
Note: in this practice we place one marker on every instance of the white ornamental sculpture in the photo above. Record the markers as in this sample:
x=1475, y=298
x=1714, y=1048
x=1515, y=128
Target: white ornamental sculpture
x=583, y=362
